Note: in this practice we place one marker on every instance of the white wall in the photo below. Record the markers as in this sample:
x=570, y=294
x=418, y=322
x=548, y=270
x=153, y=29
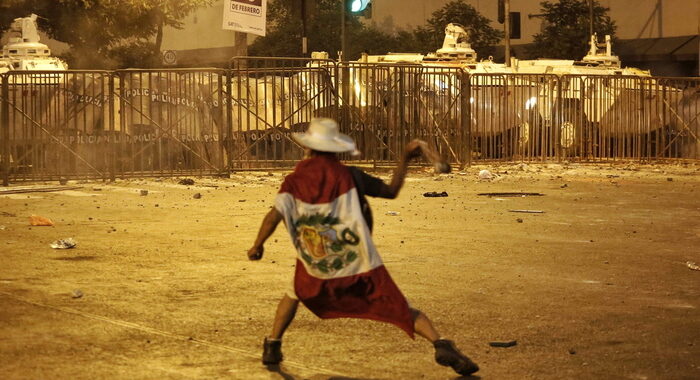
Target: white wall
x=202, y=29
x=393, y=15
x=642, y=19
x=634, y=18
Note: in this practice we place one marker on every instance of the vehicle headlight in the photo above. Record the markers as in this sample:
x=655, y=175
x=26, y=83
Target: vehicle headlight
x=530, y=103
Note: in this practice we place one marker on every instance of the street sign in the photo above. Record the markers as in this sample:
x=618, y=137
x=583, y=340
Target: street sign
x=246, y=16
x=169, y=57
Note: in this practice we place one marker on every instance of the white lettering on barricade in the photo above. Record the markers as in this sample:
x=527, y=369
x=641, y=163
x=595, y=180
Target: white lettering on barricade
x=140, y=138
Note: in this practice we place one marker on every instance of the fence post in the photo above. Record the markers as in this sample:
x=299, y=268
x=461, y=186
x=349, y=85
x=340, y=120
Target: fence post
x=231, y=143
x=557, y=120
x=111, y=136
x=222, y=131
x=5, y=128
x=401, y=111
x=466, y=117
x=581, y=149
x=345, y=96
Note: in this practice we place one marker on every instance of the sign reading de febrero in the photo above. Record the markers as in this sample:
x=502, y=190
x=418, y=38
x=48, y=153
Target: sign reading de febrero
x=245, y=16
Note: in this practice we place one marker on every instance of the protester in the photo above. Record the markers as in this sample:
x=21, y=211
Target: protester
x=339, y=272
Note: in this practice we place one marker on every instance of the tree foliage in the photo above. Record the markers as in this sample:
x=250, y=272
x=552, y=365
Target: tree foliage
x=323, y=31
x=104, y=33
x=566, y=31
x=285, y=29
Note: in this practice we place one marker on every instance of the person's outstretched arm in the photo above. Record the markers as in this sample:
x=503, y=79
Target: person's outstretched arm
x=392, y=190
x=272, y=219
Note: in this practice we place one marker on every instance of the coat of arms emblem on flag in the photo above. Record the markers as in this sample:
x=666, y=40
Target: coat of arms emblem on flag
x=323, y=247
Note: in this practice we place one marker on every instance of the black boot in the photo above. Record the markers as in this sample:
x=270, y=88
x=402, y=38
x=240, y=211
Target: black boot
x=448, y=355
x=272, y=351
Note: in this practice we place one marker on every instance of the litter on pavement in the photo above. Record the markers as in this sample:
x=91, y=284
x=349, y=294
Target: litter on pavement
x=435, y=194
x=509, y=343
x=485, y=175
x=511, y=194
x=36, y=220
x=67, y=243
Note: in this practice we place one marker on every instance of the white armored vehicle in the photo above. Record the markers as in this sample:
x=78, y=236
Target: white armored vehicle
x=25, y=52
x=532, y=107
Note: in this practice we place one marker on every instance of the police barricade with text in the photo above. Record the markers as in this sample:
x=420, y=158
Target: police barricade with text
x=271, y=98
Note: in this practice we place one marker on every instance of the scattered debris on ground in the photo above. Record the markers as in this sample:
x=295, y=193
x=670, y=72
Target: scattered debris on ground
x=692, y=265
x=143, y=193
x=197, y=196
x=38, y=190
x=485, y=175
x=513, y=194
x=159, y=244
x=528, y=211
x=67, y=243
x=40, y=221
x=186, y=182
x=393, y=213
x=76, y=293
x=435, y=194
x=509, y=343
x=519, y=220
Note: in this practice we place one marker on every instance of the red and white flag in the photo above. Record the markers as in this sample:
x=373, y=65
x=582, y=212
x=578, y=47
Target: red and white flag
x=339, y=272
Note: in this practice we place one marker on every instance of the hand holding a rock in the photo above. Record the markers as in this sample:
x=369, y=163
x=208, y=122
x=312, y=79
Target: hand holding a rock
x=255, y=253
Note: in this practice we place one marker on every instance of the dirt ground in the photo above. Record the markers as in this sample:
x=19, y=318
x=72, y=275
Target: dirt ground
x=596, y=287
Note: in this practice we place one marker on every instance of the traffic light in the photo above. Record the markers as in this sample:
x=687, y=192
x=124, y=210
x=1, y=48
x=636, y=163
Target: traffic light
x=360, y=7
x=501, y=11
x=357, y=6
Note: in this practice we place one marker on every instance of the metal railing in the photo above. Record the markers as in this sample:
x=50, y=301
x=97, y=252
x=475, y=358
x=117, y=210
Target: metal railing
x=109, y=124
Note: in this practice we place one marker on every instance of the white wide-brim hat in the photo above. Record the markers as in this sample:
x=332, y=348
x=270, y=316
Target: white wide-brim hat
x=323, y=135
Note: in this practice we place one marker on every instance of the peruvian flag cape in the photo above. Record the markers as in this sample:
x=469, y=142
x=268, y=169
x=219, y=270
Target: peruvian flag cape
x=338, y=272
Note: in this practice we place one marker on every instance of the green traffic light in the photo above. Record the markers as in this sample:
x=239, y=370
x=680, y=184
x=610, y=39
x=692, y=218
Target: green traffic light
x=358, y=5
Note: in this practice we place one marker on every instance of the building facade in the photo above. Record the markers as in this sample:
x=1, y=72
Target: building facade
x=650, y=18
x=202, y=41
x=661, y=35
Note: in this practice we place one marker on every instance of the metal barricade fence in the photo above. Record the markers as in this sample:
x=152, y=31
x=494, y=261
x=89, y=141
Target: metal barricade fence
x=271, y=98
x=383, y=107
x=628, y=117
x=56, y=124
x=680, y=103
x=170, y=122
x=512, y=116
x=102, y=124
